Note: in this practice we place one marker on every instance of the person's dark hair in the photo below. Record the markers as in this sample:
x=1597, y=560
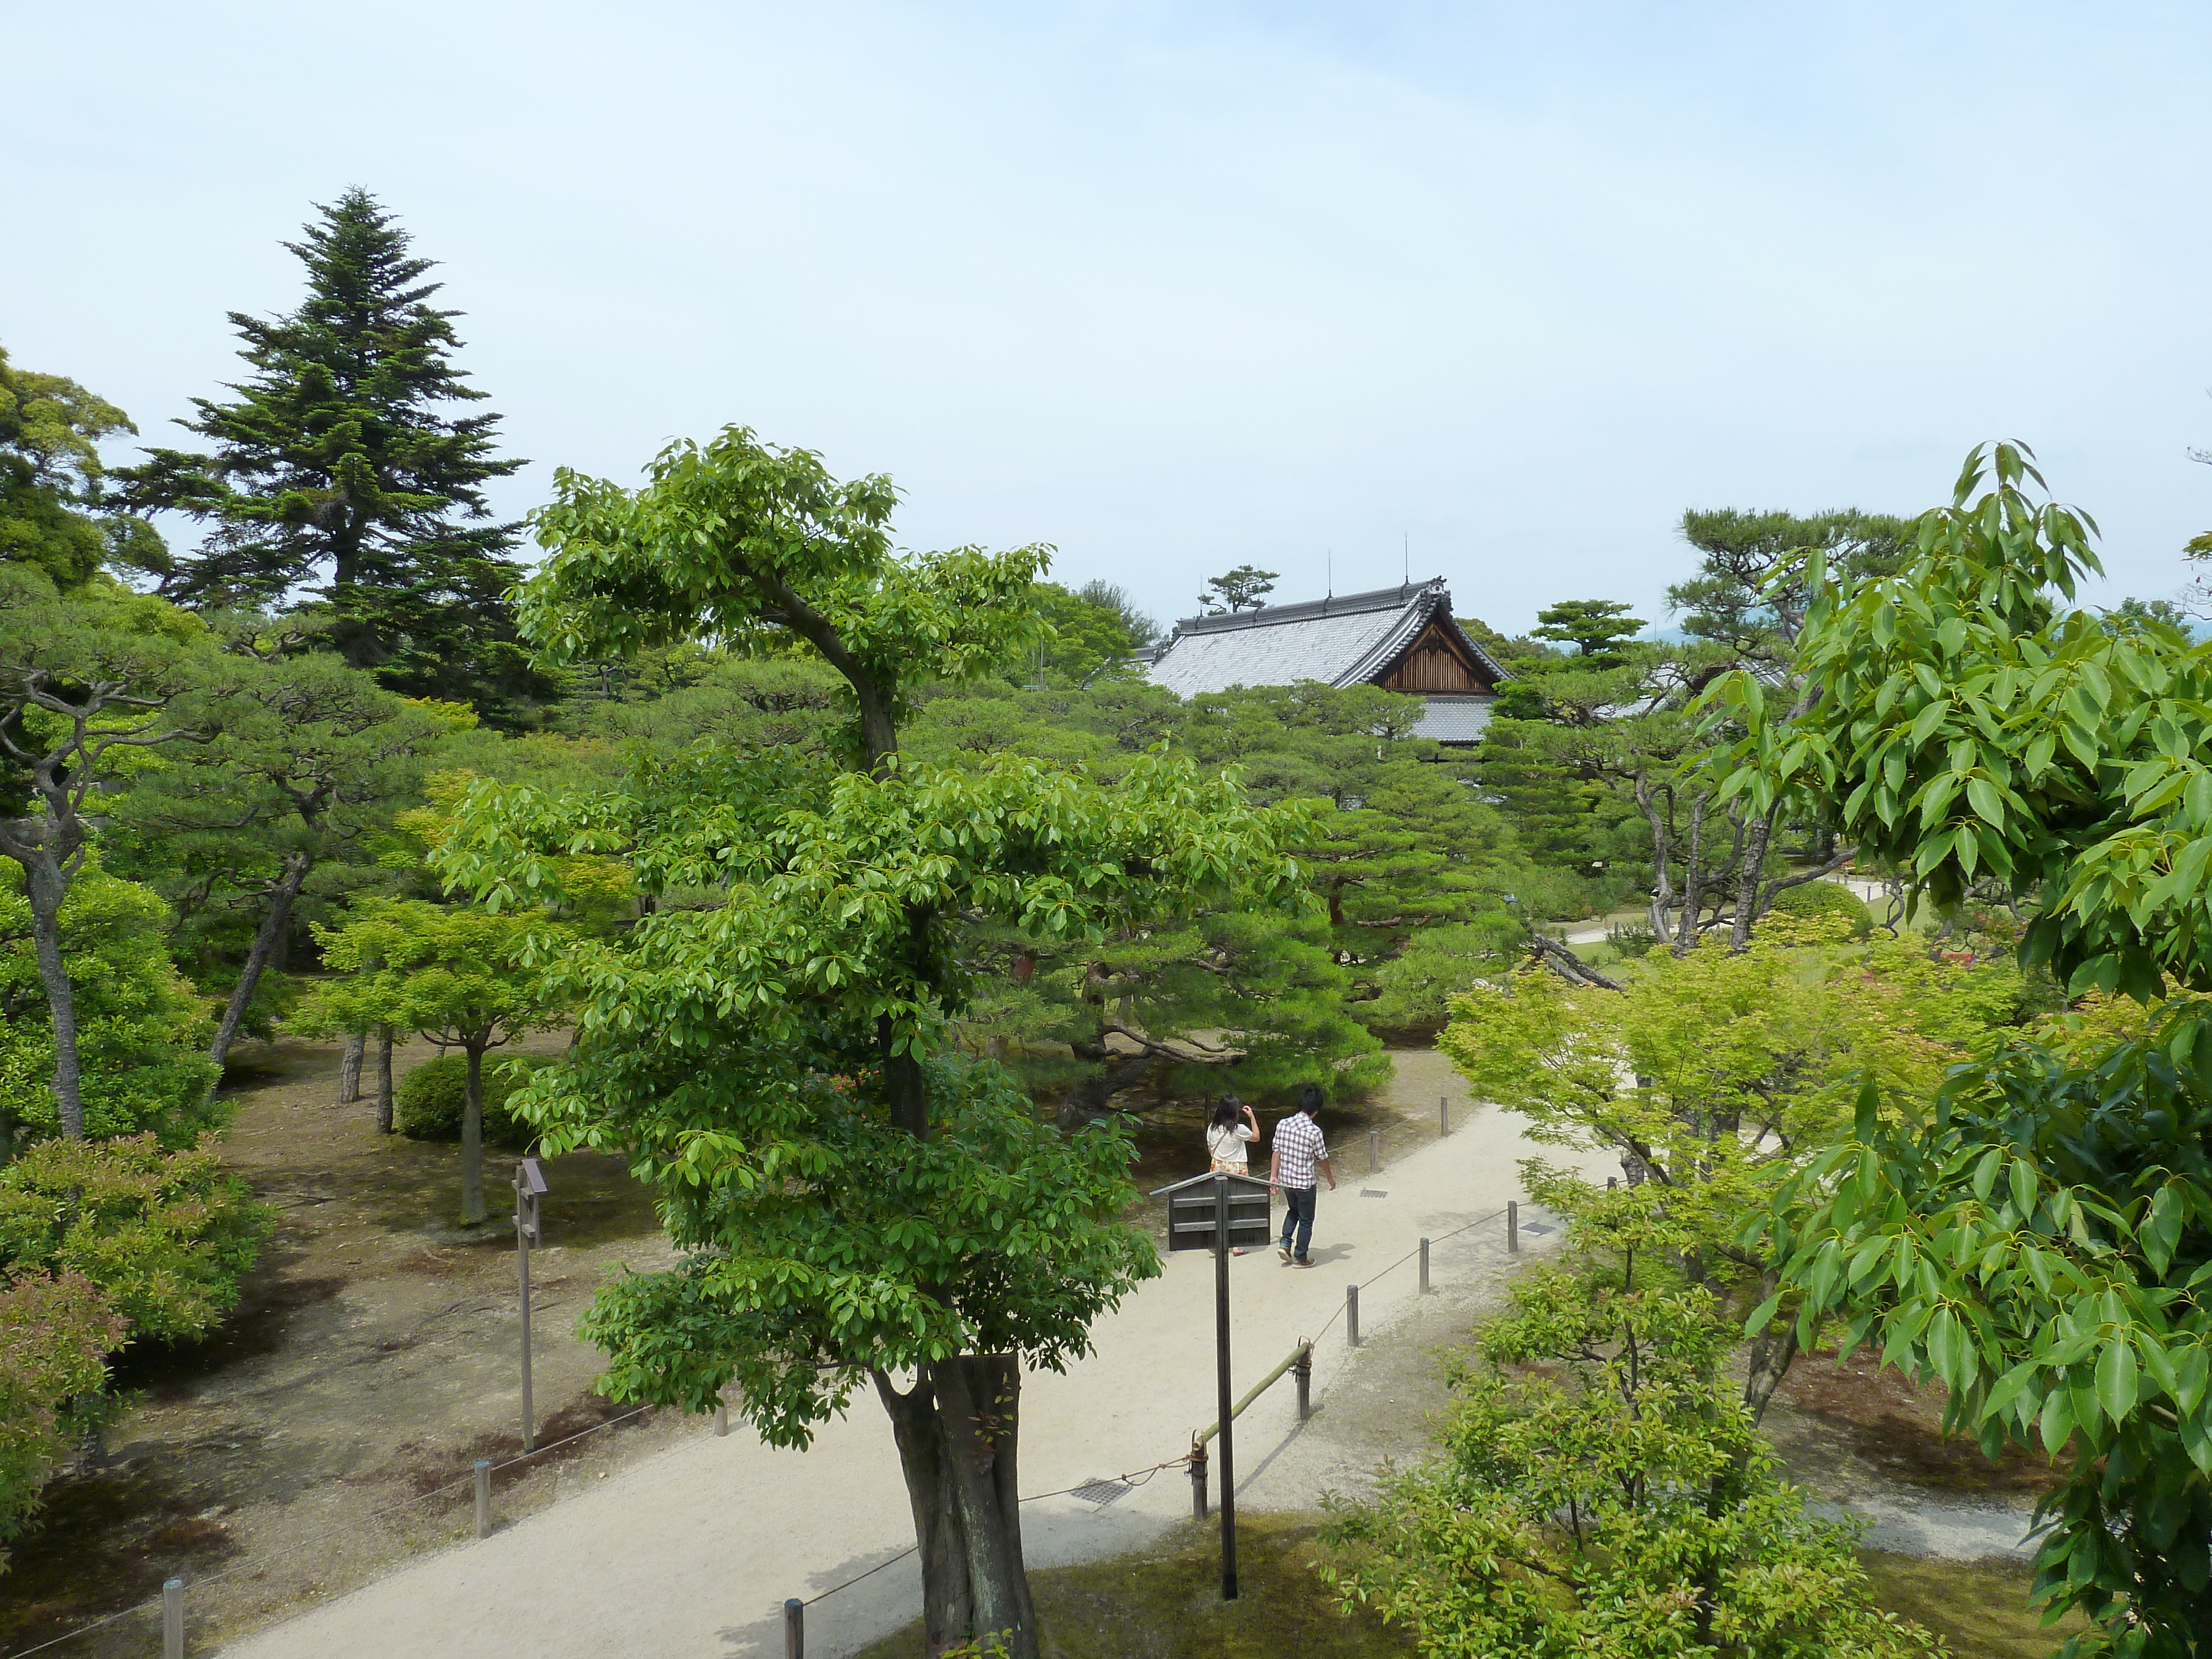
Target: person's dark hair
x=1227, y=1115
x=1310, y=1098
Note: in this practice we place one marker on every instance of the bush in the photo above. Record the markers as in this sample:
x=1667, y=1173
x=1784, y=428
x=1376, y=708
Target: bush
x=427, y=1103
x=55, y=1336
x=165, y=1234
x=1824, y=898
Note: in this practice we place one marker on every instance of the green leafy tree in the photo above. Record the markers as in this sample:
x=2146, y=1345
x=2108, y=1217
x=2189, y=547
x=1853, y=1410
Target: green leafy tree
x=1716, y=1077
x=56, y=1332
x=346, y=465
x=1597, y=628
x=856, y=1204
x=457, y=977
x=2040, y=1241
x=1749, y=594
x=1598, y=1492
x=140, y=1029
x=1244, y=588
x=305, y=761
x=55, y=514
x=86, y=687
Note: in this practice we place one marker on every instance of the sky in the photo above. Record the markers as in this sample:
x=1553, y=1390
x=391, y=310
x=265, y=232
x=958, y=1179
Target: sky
x=1492, y=291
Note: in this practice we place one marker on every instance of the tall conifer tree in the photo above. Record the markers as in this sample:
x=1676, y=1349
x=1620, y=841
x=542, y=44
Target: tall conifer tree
x=348, y=468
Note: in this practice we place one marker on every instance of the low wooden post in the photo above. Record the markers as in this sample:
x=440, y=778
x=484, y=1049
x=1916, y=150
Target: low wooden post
x=1513, y=1226
x=1198, y=1483
x=173, y=1619
x=483, y=1498
x=794, y=1629
x=1425, y=1267
x=1374, y=1150
x=1443, y=1115
x=1611, y=1182
x=721, y=1420
x=1351, y=1314
x=1302, y=1369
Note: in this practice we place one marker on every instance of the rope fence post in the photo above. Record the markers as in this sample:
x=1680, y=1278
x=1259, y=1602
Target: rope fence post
x=1302, y=1369
x=1443, y=1115
x=173, y=1619
x=483, y=1498
x=721, y=1420
x=1374, y=1150
x=1513, y=1226
x=794, y=1629
x=1425, y=1267
x=1198, y=1483
x=1352, y=1315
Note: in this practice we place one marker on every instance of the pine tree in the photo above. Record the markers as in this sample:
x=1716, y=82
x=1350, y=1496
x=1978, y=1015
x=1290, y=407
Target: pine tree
x=347, y=469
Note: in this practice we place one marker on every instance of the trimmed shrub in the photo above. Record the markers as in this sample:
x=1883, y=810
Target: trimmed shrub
x=427, y=1103
x=1824, y=898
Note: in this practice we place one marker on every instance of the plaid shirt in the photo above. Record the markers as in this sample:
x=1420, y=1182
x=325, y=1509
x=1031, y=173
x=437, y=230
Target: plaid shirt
x=1299, y=1146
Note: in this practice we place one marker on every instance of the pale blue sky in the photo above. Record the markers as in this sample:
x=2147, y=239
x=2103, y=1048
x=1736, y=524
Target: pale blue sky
x=1181, y=287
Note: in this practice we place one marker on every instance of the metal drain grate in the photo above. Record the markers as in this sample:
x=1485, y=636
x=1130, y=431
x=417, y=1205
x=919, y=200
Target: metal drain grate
x=1101, y=1493
x=1372, y=1192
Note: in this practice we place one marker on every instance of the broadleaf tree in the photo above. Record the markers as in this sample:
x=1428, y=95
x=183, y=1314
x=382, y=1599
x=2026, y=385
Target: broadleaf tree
x=858, y=1205
x=2038, y=1236
x=457, y=977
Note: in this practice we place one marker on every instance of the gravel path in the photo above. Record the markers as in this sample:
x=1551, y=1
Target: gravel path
x=692, y=1552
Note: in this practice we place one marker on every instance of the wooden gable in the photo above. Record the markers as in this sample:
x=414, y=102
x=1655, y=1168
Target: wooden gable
x=1435, y=661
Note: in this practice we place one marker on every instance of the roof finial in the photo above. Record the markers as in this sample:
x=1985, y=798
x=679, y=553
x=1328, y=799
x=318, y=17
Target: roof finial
x=1407, y=548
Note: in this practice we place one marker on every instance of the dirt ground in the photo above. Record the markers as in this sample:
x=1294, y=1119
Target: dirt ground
x=373, y=1357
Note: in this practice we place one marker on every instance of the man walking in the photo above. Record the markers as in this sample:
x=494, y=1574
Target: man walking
x=1296, y=1150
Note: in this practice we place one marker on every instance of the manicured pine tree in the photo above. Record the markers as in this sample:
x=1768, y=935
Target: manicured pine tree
x=347, y=467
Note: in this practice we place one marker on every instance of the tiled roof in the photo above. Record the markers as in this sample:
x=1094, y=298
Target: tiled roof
x=1343, y=639
x=1455, y=720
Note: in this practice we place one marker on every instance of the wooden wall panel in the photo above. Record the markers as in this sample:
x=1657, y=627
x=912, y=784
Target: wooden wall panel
x=1433, y=663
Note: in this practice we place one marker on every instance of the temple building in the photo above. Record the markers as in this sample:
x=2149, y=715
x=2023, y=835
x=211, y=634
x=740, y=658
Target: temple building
x=1402, y=639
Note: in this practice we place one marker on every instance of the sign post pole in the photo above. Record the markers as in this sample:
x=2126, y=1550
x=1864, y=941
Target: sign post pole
x=1221, y=1362
x=529, y=1187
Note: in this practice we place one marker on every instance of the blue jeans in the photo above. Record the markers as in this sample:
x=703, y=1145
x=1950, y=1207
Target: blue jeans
x=1298, y=1213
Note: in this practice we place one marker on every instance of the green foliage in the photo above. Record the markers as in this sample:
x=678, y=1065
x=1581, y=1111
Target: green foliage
x=1093, y=631
x=344, y=462
x=56, y=1332
x=141, y=1028
x=428, y=1102
x=2041, y=1241
x=1824, y=898
x=1244, y=588
x=1716, y=1074
x=1599, y=1492
x=1597, y=629
x=54, y=512
x=1750, y=592
x=165, y=1234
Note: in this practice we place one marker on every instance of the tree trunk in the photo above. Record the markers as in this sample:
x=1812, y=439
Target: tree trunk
x=1093, y=1098
x=1693, y=875
x=266, y=939
x=384, y=1081
x=1771, y=1352
x=1748, y=875
x=956, y=1429
x=356, y=1045
x=1662, y=885
x=472, y=1197
x=46, y=886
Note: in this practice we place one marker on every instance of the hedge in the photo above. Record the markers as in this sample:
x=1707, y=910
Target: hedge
x=427, y=1103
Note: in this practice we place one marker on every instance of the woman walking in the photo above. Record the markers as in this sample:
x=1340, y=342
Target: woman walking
x=1230, y=1129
